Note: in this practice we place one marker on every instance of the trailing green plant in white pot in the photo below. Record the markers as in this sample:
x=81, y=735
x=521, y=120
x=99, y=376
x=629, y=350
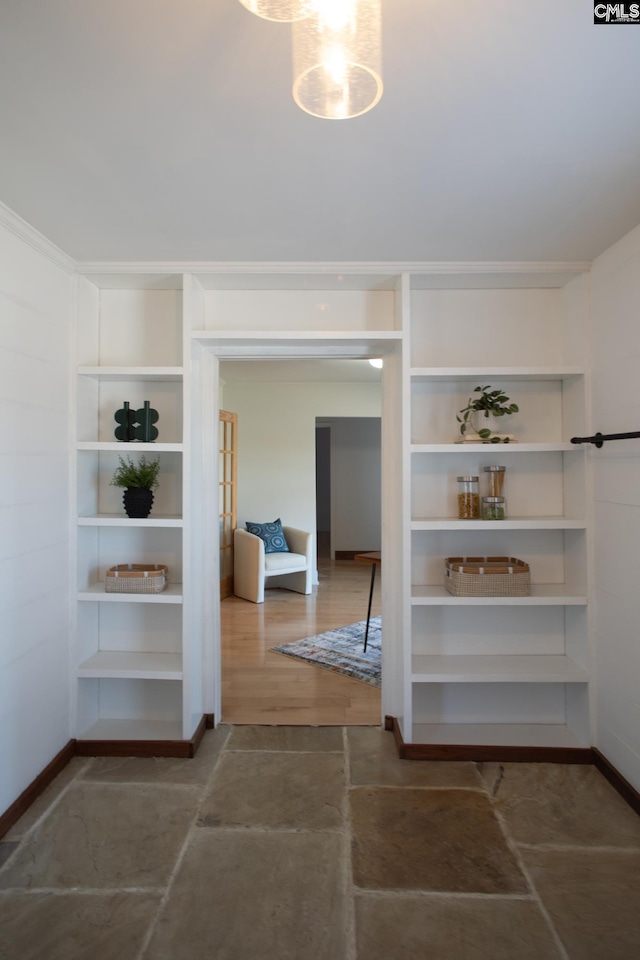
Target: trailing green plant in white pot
x=139, y=480
x=488, y=404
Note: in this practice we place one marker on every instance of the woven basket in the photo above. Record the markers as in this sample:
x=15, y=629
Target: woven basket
x=136, y=578
x=487, y=577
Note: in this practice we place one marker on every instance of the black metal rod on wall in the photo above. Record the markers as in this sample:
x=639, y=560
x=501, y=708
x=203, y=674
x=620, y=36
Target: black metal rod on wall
x=599, y=438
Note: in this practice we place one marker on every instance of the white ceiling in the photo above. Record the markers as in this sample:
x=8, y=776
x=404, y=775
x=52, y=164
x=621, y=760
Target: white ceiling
x=166, y=130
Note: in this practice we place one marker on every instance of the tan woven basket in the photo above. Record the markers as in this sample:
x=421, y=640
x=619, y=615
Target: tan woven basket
x=487, y=577
x=136, y=578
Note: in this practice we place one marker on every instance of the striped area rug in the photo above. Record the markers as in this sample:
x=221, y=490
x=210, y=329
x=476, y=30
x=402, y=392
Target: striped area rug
x=341, y=650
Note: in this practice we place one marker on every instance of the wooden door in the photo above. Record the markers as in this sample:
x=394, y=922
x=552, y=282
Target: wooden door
x=228, y=433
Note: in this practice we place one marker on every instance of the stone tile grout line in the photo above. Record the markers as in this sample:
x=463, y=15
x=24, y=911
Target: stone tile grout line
x=536, y=896
x=415, y=893
x=284, y=750
x=350, y=887
x=180, y=857
x=169, y=785
x=434, y=788
x=82, y=891
x=579, y=847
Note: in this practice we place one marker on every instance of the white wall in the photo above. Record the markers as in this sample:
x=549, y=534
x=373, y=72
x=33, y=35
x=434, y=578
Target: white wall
x=355, y=484
x=616, y=409
x=276, y=443
x=35, y=318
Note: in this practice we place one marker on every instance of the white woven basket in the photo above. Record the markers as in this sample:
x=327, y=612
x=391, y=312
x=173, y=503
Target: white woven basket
x=136, y=578
x=487, y=577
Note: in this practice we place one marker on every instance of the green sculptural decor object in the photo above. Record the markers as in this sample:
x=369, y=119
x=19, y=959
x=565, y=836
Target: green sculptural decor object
x=145, y=418
x=136, y=424
x=126, y=418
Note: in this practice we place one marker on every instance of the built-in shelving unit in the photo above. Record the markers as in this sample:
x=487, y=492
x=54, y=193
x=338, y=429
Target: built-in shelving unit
x=498, y=671
x=131, y=651
x=459, y=671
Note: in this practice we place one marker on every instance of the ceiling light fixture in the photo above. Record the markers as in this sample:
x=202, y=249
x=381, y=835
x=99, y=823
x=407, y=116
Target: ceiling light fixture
x=337, y=58
x=377, y=363
x=282, y=11
x=337, y=53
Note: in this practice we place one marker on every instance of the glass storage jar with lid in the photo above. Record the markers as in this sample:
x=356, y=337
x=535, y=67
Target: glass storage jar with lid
x=468, y=498
x=493, y=508
x=495, y=476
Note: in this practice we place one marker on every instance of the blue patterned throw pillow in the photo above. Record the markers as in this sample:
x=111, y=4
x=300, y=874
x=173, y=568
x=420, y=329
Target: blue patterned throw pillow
x=272, y=534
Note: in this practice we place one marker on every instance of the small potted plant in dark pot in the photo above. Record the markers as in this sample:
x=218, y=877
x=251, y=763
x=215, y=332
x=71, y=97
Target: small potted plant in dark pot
x=139, y=480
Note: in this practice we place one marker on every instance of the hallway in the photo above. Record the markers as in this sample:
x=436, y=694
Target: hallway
x=298, y=843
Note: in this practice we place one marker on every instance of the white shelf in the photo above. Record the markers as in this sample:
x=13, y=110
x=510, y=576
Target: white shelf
x=501, y=448
x=139, y=666
x=542, y=595
x=496, y=669
x=497, y=734
x=489, y=373
x=134, y=730
x=96, y=591
x=513, y=523
x=299, y=343
x=134, y=447
x=131, y=373
x=117, y=520
x=295, y=336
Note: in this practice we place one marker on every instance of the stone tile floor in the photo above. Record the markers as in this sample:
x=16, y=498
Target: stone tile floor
x=303, y=843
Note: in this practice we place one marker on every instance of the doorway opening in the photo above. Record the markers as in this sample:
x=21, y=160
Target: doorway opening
x=323, y=490
x=288, y=413
x=348, y=486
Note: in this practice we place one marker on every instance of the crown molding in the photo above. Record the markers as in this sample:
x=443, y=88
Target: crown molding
x=322, y=267
x=20, y=228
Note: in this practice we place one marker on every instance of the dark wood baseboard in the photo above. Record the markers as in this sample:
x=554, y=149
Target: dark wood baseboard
x=485, y=753
x=624, y=788
x=134, y=748
x=348, y=554
x=146, y=748
x=36, y=787
x=498, y=753
x=391, y=723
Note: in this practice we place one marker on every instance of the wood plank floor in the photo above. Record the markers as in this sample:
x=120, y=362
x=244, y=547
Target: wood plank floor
x=259, y=686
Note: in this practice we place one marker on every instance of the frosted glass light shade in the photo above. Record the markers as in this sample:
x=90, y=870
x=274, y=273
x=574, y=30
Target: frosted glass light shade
x=337, y=58
x=284, y=11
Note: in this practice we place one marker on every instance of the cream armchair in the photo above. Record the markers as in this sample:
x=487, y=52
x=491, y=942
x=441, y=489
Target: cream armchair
x=252, y=566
